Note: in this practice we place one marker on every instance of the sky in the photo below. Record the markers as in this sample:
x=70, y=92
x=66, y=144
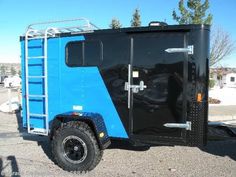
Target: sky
x=16, y=15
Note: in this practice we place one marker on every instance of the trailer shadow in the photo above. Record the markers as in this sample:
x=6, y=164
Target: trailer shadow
x=126, y=145
x=19, y=122
x=221, y=148
x=4, y=168
x=221, y=142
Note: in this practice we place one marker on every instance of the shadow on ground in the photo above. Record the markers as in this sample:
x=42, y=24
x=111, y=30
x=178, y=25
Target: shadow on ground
x=222, y=148
x=10, y=162
x=126, y=145
x=221, y=141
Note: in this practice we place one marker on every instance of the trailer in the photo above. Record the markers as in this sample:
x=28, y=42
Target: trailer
x=83, y=86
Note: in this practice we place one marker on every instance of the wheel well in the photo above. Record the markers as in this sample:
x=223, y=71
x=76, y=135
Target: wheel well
x=58, y=122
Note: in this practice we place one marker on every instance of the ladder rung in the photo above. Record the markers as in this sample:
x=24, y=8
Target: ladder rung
x=51, y=34
x=35, y=46
x=35, y=38
x=36, y=76
x=36, y=57
x=37, y=115
x=37, y=96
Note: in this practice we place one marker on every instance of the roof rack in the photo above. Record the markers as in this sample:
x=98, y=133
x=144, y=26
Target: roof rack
x=83, y=26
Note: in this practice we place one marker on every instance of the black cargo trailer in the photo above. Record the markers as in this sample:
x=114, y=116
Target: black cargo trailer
x=147, y=85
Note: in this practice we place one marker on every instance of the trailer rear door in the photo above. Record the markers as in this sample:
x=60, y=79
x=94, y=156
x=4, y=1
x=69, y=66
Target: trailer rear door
x=158, y=87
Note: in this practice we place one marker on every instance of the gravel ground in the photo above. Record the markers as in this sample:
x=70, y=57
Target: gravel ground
x=30, y=156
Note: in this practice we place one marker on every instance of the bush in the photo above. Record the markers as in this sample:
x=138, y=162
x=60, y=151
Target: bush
x=213, y=101
x=211, y=83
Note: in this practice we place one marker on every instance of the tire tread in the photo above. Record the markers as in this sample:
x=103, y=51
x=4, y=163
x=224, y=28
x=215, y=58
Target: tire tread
x=83, y=127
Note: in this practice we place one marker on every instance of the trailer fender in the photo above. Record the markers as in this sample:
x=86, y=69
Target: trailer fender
x=93, y=120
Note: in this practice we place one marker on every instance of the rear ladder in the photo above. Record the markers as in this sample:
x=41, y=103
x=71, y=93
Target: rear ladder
x=32, y=34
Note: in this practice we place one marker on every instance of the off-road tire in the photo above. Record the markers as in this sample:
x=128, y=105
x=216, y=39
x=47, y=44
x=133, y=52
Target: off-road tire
x=84, y=132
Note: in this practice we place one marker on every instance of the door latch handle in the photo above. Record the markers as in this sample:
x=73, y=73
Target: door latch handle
x=142, y=86
x=135, y=88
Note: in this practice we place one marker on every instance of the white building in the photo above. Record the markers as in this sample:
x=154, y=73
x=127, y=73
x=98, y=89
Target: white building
x=227, y=79
x=230, y=80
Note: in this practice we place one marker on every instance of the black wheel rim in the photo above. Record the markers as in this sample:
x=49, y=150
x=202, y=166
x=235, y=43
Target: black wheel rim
x=75, y=149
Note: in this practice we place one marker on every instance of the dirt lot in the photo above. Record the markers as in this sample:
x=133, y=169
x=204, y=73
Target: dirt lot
x=22, y=155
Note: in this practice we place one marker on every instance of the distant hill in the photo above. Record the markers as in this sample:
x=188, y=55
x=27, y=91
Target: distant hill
x=223, y=70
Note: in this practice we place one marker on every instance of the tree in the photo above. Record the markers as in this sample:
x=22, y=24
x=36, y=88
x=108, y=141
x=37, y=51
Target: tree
x=115, y=24
x=211, y=83
x=3, y=70
x=195, y=13
x=136, y=20
x=13, y=71
x=222, y=45
x=19, y=73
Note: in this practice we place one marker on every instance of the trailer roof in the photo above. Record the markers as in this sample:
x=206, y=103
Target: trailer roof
x=138, y=30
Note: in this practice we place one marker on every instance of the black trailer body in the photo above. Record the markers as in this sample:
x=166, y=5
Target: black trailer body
x=176, y=81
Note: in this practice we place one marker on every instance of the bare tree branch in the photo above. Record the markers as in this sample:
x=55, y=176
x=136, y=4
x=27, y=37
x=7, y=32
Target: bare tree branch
x=222, y=46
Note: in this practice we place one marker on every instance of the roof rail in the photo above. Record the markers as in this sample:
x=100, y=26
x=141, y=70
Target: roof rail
x=83, y=26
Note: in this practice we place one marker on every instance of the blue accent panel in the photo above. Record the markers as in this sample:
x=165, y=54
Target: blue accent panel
x=69, y=87
x=23, y=83
x=88, y=90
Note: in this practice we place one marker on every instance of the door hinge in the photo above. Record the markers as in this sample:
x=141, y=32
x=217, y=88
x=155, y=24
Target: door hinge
x=187, y=125
x=189, y=50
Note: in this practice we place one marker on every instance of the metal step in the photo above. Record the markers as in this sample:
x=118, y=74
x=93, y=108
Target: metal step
x=39, y=131
x=35, y=76
x=37, y=115
x=37, y=96
x=37, y=57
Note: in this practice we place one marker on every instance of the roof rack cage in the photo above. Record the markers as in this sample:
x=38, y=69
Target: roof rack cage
x=83, y=26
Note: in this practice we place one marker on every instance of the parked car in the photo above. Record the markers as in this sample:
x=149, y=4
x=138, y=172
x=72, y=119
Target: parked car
x=2, y=79
x=14, y=81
